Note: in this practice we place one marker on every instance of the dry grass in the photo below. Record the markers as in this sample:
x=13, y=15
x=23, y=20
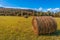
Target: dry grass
x=20, y=28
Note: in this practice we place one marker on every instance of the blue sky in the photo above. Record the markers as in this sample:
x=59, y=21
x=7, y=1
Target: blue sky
x=44, y=5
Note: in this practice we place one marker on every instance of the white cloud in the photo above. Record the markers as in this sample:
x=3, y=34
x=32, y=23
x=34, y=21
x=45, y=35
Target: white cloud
x=56, y=9
x=40, y=9
x=17, y=7
x=53, y=9
x=49, y=9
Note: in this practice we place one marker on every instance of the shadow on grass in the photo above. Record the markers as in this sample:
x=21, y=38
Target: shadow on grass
x=57, y=33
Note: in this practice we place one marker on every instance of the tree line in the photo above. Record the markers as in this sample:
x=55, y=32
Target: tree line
x=17, y=12
x=48, y=13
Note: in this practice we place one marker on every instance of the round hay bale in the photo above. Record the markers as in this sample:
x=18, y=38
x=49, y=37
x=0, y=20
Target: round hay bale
x=44, y=24
x=26, y=16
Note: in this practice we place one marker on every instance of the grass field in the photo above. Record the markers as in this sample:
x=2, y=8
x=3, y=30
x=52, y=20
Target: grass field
x=20, y=28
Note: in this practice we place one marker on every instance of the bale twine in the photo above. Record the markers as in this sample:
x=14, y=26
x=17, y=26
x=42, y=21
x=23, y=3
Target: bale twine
x=44, y=25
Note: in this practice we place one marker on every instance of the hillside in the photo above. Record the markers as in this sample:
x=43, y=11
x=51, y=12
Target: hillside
x=13, y=12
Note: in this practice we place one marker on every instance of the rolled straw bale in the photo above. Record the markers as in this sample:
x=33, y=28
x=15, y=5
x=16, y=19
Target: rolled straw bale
x=44, y=24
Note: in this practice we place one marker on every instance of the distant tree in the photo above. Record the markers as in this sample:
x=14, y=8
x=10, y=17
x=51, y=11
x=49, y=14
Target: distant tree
x=49, y=13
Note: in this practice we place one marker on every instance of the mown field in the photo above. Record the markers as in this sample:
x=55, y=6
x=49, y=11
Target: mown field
x=20, y=28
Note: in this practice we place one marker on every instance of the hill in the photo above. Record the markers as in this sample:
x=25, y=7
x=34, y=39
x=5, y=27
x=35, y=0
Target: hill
x=14, y=12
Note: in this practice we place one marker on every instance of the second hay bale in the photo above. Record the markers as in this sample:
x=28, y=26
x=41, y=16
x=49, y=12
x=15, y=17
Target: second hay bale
x=26, y=16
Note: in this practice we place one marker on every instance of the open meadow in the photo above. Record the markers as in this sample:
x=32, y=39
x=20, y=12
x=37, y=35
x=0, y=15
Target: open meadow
x=20, y=28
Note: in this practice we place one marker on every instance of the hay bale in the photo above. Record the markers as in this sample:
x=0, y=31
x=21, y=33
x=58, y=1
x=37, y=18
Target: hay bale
x=44, y=25
x=26, y=16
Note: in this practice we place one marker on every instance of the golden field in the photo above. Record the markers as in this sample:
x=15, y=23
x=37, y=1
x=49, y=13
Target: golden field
x=20, y=28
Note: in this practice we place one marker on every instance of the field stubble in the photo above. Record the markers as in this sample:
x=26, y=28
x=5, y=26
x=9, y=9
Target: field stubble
x=20, y=28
